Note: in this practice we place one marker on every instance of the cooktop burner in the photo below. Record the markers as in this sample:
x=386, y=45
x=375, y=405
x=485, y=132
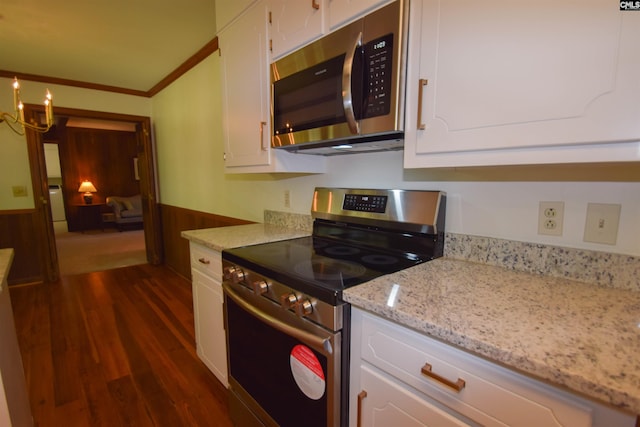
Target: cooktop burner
x=317, y=266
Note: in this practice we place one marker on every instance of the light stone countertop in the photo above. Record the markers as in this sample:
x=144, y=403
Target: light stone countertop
x=581, y=336
x=6, y=257
x=241, y=235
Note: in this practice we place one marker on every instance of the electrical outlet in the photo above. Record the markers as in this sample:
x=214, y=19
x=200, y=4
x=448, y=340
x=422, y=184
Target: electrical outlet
x=602, y=222
x=550, y=218
x=287, y=199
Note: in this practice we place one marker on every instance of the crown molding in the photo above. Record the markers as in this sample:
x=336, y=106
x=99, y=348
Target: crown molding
x=195, y=59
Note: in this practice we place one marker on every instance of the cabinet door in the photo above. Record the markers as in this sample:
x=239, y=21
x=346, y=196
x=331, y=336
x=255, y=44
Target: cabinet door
x=294, y=23
x=245, y=91
x=344, y=11
x=387, y=403
x=503, y=75
x=227, y=11
x=211, y=344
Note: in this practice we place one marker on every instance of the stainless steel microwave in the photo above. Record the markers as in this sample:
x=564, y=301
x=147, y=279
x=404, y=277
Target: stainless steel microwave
x=344, y=92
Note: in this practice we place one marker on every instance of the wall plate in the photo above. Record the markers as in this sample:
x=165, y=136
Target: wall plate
x=550, y=218
x=602, y=223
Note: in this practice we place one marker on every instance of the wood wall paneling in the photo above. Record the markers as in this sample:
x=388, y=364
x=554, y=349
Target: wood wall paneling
x=105, y=158
x=17, y=231
x=174, y=221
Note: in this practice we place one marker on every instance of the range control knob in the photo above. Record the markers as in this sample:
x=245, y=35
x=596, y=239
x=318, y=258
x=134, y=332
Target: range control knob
x=260, y=287
x=228, y=272
x=288, y=300
x=238, y=275
x=304, y=308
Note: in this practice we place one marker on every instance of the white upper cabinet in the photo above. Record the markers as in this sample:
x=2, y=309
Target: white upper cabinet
x=295, y=23
x=227, y=11
x=245, y=91
x=344, y=11
x=246, y=118
x=511, y=82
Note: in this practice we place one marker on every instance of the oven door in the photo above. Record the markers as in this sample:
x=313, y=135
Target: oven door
x=283, y=370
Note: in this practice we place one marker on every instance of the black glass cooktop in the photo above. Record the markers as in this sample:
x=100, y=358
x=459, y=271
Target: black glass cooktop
x=317, y=266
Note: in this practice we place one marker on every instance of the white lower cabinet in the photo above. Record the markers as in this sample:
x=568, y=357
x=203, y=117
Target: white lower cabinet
x=211, y=345
x=400, y=377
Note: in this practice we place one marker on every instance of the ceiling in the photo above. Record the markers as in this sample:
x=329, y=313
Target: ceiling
x=129, y=44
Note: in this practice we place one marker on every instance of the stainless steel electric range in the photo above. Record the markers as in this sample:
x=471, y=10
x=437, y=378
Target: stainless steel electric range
x=287, y=325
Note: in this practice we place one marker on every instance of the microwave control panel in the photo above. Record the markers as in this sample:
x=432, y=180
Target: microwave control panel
x=378, y=60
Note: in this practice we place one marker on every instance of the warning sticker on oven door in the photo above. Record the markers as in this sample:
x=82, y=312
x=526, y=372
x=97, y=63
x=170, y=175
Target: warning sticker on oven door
x=307, y=372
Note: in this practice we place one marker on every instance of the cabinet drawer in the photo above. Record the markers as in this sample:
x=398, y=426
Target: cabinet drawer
x=390, y=403
x=491, y=395
x=205, y=260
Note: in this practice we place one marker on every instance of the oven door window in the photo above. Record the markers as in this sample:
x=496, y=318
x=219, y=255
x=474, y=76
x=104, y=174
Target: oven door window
x=260, y=360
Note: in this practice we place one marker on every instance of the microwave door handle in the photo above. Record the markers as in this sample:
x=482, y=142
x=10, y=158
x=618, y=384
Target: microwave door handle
x=347, y=97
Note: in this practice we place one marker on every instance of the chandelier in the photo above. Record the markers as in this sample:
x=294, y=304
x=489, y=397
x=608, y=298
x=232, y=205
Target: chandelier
x=16, y=120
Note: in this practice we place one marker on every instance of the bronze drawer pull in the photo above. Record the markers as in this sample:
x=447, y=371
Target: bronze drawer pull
x=457, y=386
x=204, y=261
x=315, y=4
x=361, y=397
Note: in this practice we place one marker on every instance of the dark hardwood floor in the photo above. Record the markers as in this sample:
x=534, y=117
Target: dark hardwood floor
x=115, y=348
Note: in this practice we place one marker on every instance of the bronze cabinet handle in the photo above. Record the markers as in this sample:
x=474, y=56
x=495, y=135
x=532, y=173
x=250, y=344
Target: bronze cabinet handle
x=315, y=4
x=262, y=146
x=204, y=261
x=361, y=397
x=456, y=386
x=421, y=84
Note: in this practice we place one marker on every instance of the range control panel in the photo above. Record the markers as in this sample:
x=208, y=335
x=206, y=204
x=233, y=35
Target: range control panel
x=364, y=203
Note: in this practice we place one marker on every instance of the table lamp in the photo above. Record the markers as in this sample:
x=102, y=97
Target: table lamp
x=87, y=188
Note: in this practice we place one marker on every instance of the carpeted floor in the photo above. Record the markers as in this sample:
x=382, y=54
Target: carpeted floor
x=99, y=250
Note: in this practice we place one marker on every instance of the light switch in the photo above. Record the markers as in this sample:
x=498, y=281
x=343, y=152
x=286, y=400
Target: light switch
x=19, y=191
x=602, y=223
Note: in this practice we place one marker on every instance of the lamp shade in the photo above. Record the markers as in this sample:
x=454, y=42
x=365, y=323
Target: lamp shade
x=87, y=187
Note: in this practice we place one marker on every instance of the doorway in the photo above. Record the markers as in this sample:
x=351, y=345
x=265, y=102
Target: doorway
x=140, y=127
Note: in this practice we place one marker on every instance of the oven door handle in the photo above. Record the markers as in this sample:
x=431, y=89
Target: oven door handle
x=320, y=344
